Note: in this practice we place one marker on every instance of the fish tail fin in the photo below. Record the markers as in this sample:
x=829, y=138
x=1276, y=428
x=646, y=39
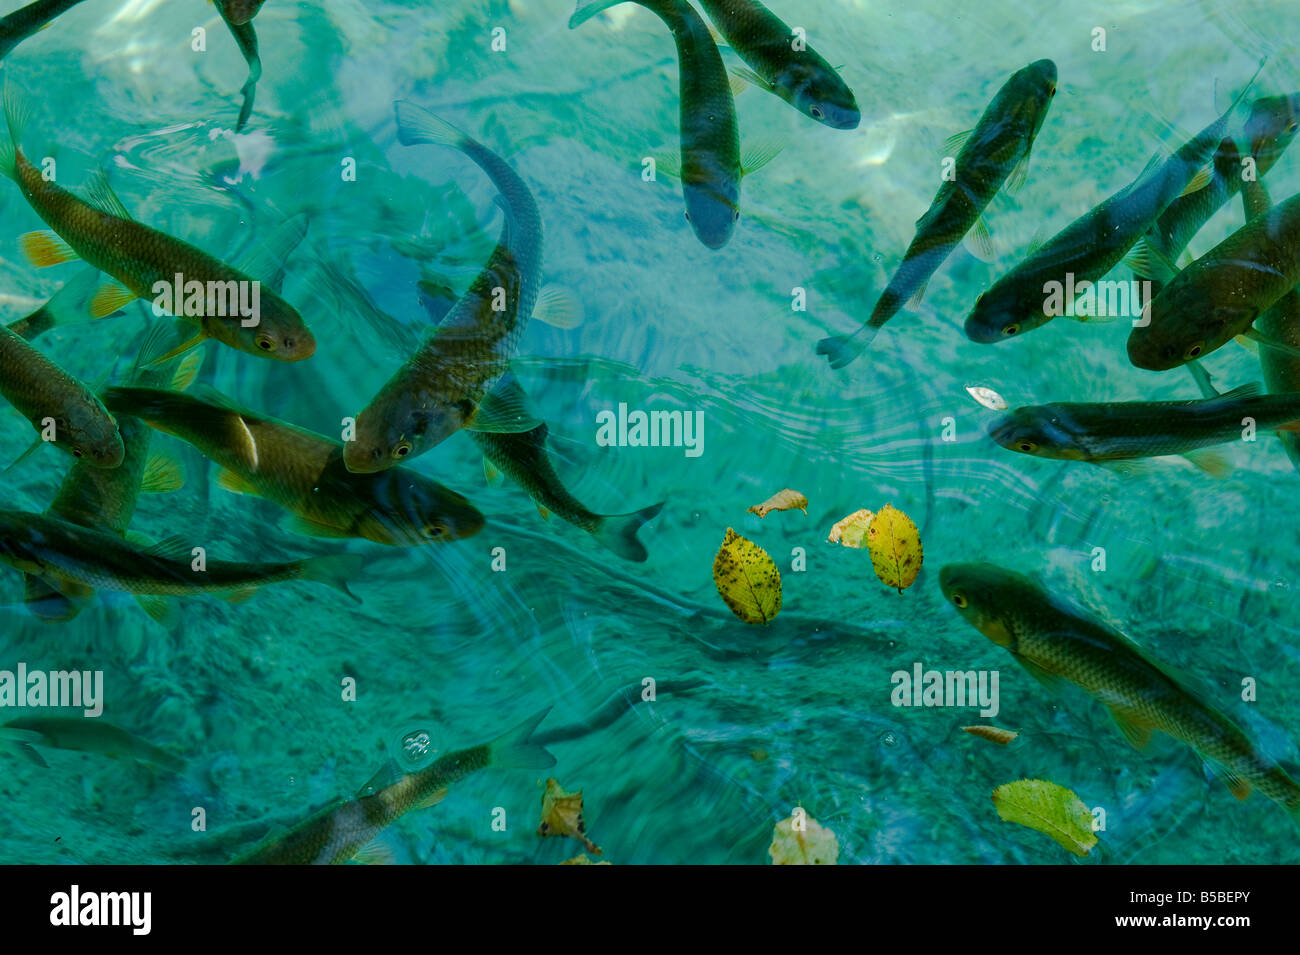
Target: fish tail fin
x=416, y=125
x=842, y=350
x=588, y=9
x=335, y=570
x=516, y=749
x=618, y=532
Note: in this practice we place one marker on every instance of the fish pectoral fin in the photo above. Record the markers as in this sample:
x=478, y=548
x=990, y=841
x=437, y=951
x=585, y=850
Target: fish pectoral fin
x=161, y=609
x=668, y=163
x=1239, y=787
x=375, y=853
x=504, y=410
x=1148, y=262
x=1200, y=180
x=31, y=449
x=240, y=595
x=162, y=474
x=953, y=144
x=558, y=307
x=44, y=248
x=1052, y=681
x=1019, y=176
x=1137, y=735
x=15, y=735
x=228, y=480
x=918, y=295
x=759, y=154
x=30, y=754
x=1246, y=343
x=1212, y=461
x=979, y=242
x=180, y=349
x=748, y=77
x=491, y=474
x=432, y=799
x=110, y=297
x=300, y=525
x=187, y=371
x=736, y=84
x=101, y=196
x=1255, y=335
x=546, y=515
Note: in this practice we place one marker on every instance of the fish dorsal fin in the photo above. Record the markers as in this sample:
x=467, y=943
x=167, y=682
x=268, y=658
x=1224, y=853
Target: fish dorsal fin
x=384, y=777
x=101, y=196
x=504, y=410
x=265, y=261
x=1137, y=735
x=176, y=547
x=162, y=473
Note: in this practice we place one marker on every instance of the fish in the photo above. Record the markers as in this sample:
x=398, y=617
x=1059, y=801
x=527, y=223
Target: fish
x=82, y=558
x=1119, y=430
x=799, y=76
x=1219, y=296
x=524, y=458
x=30, y=19
x=105, y=499
x=238, y=16
x=711, y=167
x=85, y=735
x=1059, y=643
x=1270, y=129
x=303, y=472
x=997, y=148
x=1093, y=244
x=340, y=831
x=57, y=404
x=445, y=385
x=142, y=260
x=1280, y=323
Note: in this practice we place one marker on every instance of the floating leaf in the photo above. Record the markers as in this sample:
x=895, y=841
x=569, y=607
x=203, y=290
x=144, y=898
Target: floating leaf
x=895, y=546
x=987, y=397
x=1050, y=809
x=786, y=500
x=994, y=734
x=582, y=860
x=747, y=579
x=799, y=840
x=562, y=815
x=850, y=531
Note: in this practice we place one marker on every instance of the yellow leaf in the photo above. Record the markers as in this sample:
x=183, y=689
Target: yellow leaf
x=895, y=546
x=800, y=840
x=994, y=734
x=582, y=860
x=786, y=500
x=562, y=815
x=850, y=531
x=747, y=579
x=1050, y=809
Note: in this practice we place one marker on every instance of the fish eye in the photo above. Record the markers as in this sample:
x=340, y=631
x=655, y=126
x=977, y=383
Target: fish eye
x=265, y=343
x=1053, y=92
x=1027, y=446
x=402, y=450
x=434, y=530
x=1011, y=329
x=959, y=601
x=688, y=216
x=817, y=112
x=1194, y=350
x=76, y=452
x=1293, y=127
x=736, y=216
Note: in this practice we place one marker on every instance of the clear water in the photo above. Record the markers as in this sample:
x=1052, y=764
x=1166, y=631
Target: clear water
x=1202, y=572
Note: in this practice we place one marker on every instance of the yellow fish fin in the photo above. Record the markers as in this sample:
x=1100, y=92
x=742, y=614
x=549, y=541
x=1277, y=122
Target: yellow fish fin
x=162, y=473
x=109, y=297
x=375, y=853
x=187, y=371
x=1213, y=461
x=558, y=307
x=160, y=608
x=300, y=525
x=1200, y=180
x=228, y=480
x=546, y=515
x=100, y=195
x=180, y=349
x=1236, y=785
x=1137, y=735
x=176, y=547
x=432, y=799
x=953, y=144
x=490, y=473
x=747, y=78
x=240, y=594
x=46, y=248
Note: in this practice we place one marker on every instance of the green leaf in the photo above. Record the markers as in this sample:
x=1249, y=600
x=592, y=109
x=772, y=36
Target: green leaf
x=1050, y=809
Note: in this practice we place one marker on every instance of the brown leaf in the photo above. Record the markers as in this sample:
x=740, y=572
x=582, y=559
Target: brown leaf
x=786, y=500
x=562, y=815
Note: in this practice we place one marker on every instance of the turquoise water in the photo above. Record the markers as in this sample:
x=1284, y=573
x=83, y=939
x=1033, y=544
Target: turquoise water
x=1200, y=571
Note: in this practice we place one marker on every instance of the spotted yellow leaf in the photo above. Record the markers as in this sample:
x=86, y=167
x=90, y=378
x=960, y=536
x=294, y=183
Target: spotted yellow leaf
x=562, y=815
x=786, y=500
x=800, y=840
x=851, y=531
x=895, y=546
x=1050, y=809
x=747, y=579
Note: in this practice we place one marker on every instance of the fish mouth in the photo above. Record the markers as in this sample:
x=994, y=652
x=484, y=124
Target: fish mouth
x=1150, y=357
x=361, y=460
x=979, y=331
